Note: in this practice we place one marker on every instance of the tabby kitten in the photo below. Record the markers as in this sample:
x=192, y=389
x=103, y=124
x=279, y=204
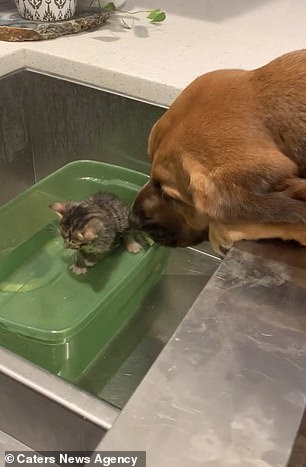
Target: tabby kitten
x=93, y=226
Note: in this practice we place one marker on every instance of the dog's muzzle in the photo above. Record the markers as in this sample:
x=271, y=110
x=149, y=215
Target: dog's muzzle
x=159, y=233
x=162, y=223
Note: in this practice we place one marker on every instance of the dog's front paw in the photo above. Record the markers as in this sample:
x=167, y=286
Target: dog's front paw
x=78, y=270
x=219, y=238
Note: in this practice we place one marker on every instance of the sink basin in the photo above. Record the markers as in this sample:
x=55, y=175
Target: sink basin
x=47, y=314
x=48, y=123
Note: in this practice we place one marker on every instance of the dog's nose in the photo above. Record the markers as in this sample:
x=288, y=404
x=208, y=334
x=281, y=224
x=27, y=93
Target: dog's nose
x=138, y=219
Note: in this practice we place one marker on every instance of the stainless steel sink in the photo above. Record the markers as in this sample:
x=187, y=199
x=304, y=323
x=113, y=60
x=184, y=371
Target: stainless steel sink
x=46, y=122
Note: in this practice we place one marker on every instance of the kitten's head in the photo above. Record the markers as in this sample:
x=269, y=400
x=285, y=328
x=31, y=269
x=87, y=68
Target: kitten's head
x=78, y=225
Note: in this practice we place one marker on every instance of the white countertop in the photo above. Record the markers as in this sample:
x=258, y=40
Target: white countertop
x=154, y=62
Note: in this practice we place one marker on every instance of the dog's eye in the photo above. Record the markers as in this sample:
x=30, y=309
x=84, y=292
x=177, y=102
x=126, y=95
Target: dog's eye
x=165, y=195
x=156, y=184
x=159, y=189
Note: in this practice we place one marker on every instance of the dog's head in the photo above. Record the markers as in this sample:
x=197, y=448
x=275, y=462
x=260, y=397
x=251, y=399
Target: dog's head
x=181, y=198
x=171, y=207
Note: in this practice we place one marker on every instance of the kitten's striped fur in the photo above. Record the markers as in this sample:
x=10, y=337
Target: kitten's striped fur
x=94, y=226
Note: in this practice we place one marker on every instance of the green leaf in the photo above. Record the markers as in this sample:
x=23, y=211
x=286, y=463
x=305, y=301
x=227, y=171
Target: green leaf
x=156, y=16
x=110, y=6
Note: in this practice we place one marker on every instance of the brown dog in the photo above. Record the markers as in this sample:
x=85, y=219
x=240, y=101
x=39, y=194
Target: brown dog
x=230, y=153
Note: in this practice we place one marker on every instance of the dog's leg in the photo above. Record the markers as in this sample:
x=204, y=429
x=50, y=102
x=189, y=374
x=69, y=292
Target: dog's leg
x=223, y=236
x=220, y=237
x=296, y=188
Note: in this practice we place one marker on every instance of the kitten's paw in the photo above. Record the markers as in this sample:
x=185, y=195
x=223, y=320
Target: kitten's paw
x=77, y=270
x=133, y=246
x=89, y=263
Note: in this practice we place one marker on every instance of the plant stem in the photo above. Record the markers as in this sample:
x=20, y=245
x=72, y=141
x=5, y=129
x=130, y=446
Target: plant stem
x=133, y=12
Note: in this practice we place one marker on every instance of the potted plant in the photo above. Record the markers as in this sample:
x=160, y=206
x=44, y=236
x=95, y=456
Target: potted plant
x=154, y=16
x=59, y=10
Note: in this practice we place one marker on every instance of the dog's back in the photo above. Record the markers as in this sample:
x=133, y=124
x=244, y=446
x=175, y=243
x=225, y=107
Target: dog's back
x=280, y=88
x=265, y=106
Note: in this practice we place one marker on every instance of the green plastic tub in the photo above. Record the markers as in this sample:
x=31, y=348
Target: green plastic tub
x=49, y=316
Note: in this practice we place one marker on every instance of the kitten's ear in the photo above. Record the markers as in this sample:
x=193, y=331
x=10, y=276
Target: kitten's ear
x=89, y=234
x=60, y=207
x=92, y=230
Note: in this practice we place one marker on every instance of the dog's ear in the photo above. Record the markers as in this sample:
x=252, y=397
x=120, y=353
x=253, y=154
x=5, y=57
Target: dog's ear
x=200, y=186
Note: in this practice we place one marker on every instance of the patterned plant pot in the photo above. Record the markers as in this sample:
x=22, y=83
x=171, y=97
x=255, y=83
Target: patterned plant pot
x=46, y=10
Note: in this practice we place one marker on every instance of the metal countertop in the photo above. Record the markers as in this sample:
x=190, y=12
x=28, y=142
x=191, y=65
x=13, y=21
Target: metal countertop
x=229, y=389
